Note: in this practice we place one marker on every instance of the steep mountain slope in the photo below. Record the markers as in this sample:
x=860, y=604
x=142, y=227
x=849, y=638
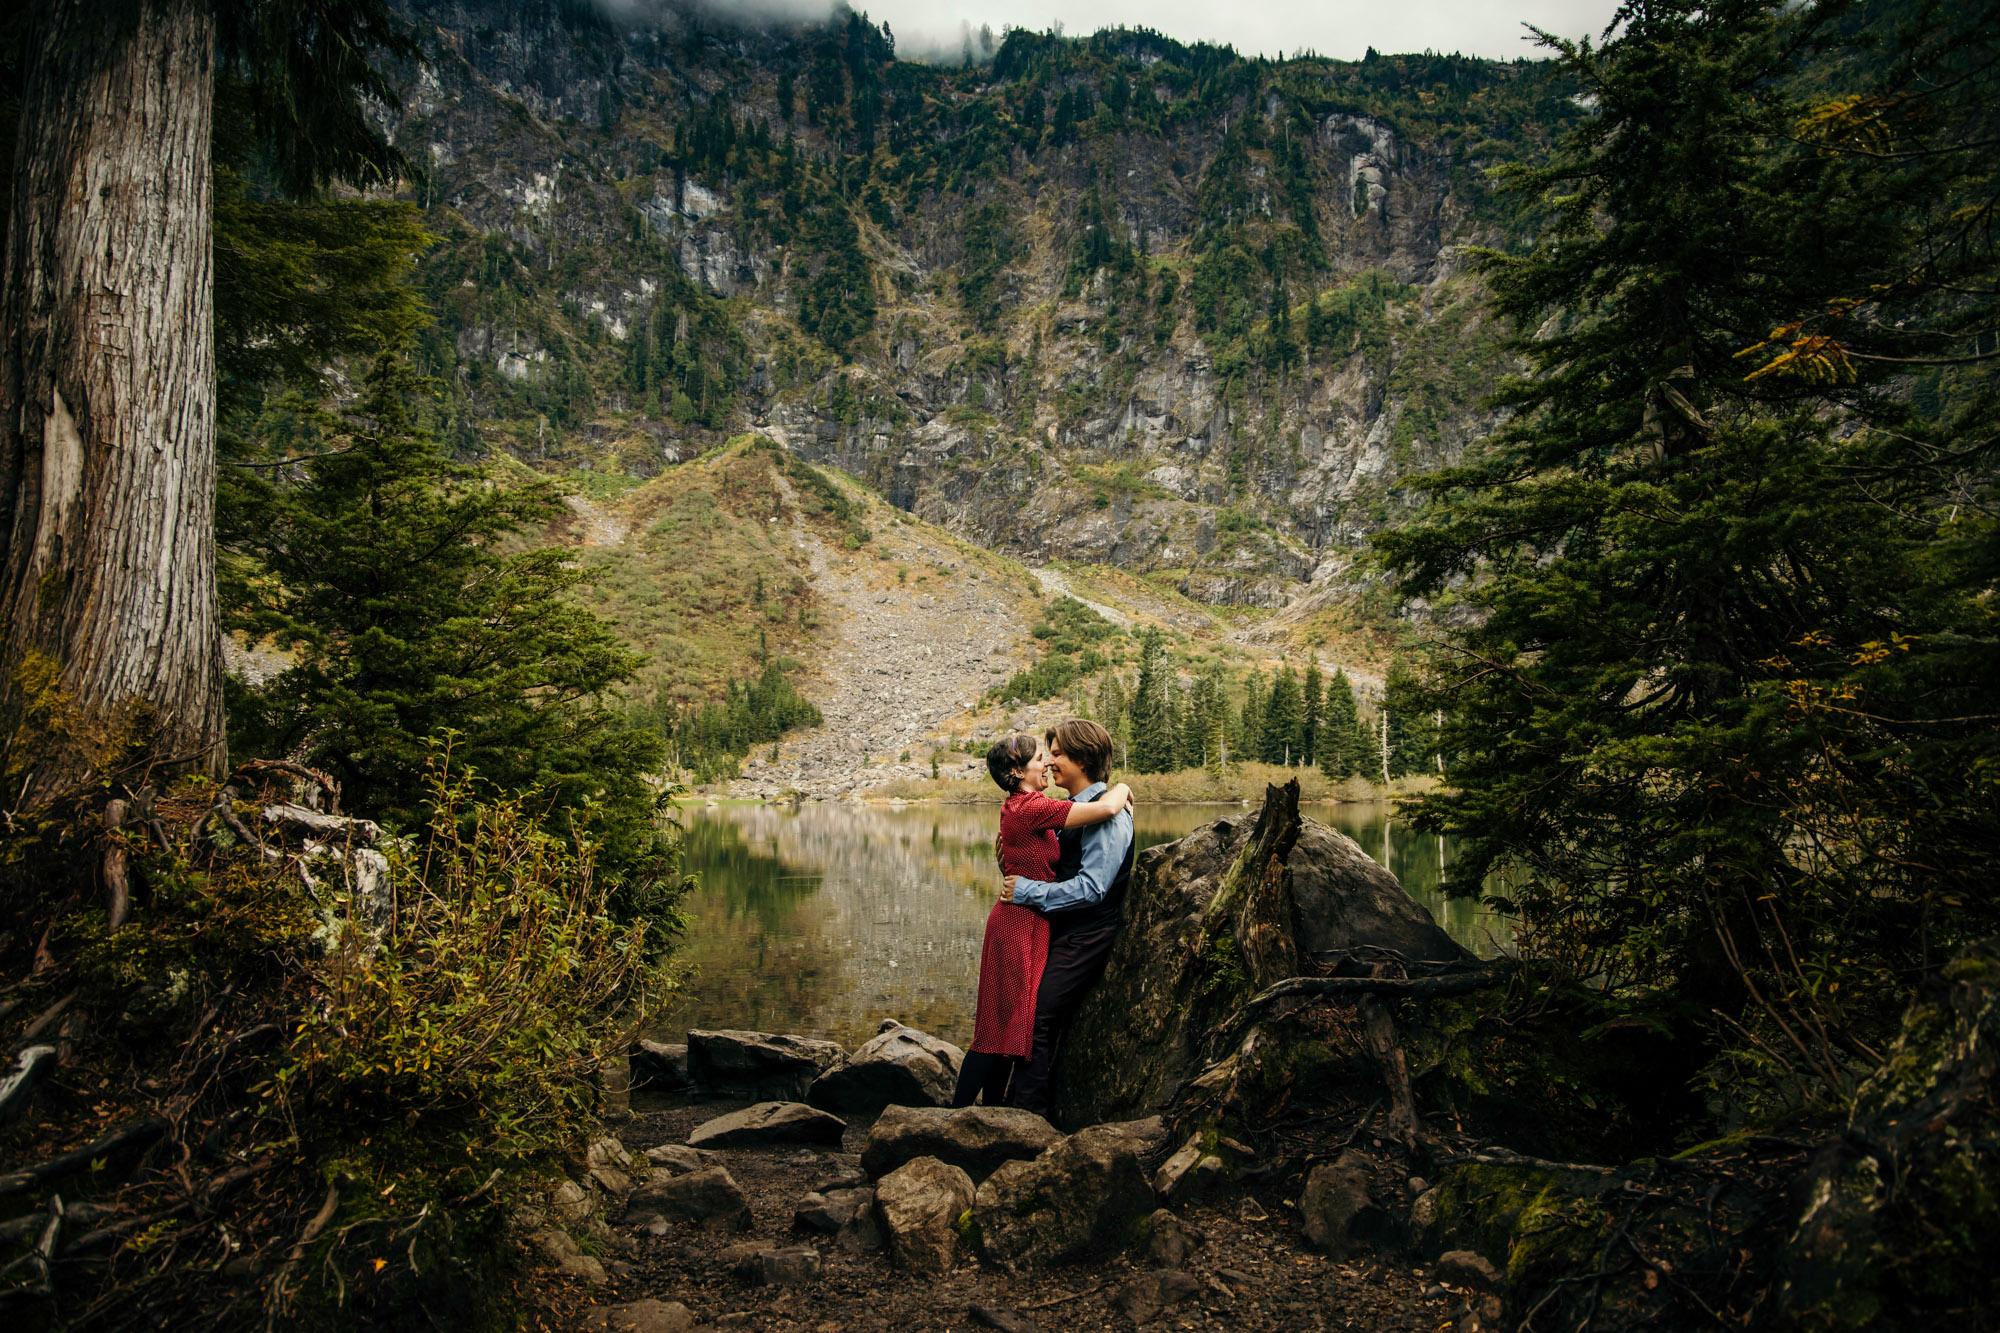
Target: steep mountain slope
x=1112, y=300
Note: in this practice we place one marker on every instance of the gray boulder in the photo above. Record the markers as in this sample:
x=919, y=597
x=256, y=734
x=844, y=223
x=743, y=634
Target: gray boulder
x=919, y=1205
x=730, y=1063
x=1079, y=1198
x=779, y=1266
x=767, y=1123
x=560, y=1248
x=1167, y=1242
x=976, y=1139
x=660, y=1066
x=1208, y=921
x=830, y=1212
x=640, y=1317
x=1337, y=1209
x=1150, y=1295
x=710, y=1198
x=615, y=1170
x=677, y=1159
x=1469, y=1269
x=899, y=1066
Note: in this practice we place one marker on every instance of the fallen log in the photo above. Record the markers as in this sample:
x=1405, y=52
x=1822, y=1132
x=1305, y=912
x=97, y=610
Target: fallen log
x=291, y=770
x=44, y=1019
x=1451, y=983
x=69, y=1163
x=329, y=828
x=117, y=874
x=28, y=1071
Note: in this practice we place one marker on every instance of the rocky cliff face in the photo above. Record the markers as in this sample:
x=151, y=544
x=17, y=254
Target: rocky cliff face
x=1111, y=300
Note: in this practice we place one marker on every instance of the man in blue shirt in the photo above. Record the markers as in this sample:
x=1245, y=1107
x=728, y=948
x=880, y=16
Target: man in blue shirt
x=1083, y=910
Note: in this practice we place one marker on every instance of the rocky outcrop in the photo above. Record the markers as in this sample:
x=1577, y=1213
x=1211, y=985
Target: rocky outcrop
x=614, y=1170
x=1209, y=920
x=1336, y=1208
x=708, y=1198
x=976, y=1139
x=661, y=1066
x=1082, y=1196
x=677, y=1159
x=919, y=1204
x=768, y=1123
x=899, y=1066
x=731, y=1063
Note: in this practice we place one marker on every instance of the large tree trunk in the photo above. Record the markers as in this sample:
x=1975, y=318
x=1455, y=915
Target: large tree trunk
x=107, y=388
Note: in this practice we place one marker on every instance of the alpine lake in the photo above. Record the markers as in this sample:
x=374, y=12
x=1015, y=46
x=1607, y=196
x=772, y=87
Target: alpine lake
x=824, y=919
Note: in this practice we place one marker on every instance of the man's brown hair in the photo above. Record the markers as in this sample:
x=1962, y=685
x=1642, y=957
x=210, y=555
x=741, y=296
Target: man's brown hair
x=1085, y=742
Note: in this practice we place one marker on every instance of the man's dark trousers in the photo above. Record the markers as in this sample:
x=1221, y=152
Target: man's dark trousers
x=1076, y=960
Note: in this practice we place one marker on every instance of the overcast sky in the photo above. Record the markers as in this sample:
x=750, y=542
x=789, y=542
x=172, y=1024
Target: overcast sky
x=1341, y=28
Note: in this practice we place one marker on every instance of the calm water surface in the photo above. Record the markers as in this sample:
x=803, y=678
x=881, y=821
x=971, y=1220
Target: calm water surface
x=825, y=920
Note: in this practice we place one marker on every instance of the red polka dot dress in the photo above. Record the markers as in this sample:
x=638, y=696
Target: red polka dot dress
x=1017, y=938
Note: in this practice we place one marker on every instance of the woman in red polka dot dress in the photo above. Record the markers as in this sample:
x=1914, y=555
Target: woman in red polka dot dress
x=1017, y=938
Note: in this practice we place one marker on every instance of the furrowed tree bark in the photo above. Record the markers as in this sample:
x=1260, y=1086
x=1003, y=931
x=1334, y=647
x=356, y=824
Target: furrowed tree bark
x=107, y=384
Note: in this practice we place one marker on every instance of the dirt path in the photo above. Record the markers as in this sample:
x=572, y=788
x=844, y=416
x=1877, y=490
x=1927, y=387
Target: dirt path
x=1055, y=583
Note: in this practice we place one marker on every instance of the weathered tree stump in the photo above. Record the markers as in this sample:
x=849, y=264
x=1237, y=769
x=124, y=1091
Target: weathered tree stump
x=1211, y=922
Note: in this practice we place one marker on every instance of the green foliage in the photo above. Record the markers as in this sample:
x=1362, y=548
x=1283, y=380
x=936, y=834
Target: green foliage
x=1343, y=746
x=989, y=248
x=711, y=739
x=1224, y=292
x=472, y=1035
x=1153, y=747
x=1071, y=633
x=1721, y=723
x=1283, y=736
x=299, y=284
x=837, y=303
x=382, y=564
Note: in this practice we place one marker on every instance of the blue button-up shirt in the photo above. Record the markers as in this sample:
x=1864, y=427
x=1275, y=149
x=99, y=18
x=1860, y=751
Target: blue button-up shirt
x=1103, y=852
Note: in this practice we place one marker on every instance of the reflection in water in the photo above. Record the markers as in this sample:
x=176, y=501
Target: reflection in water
x=825, y=920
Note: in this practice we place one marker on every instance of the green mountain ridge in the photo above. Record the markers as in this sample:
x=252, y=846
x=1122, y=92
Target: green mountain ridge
x=1114, y=300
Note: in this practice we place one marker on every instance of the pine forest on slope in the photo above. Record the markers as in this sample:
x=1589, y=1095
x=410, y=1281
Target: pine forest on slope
x=1112, y=300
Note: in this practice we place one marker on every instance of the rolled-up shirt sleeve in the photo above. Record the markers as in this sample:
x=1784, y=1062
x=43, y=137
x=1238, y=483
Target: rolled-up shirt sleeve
x=1103, y=852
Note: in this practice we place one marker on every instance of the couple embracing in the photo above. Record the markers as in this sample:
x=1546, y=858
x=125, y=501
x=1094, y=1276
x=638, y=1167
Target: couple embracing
x=1065, y=866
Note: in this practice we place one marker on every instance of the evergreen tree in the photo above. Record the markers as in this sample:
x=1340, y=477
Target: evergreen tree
x=109, y=339
x=838, y=303
x=1284, y=720
x=1250, y=722
x=387, y=564
x=1152, y=737
x=1340, y=746
x=1706, y=639
x=1215, y=726
x=1111, y=712
x=1314, y=703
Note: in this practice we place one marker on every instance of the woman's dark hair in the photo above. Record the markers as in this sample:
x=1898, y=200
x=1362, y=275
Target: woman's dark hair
x=1007, y=758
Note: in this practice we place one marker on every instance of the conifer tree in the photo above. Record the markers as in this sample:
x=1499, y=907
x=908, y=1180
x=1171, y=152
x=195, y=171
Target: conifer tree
x=1706, y=639
x=1314, y=702
x=1284, y=720
x=385, y=564
x=1340, y=738
x=1250, y=722
x=1152, y=736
